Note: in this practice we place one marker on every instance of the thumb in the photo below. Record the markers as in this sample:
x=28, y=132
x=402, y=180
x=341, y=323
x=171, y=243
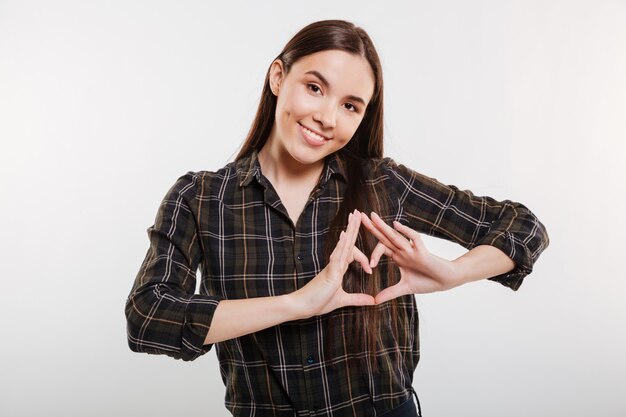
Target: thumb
x=392, y=292
x=357, y=299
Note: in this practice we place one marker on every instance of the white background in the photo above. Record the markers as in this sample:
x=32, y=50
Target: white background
x=103, y=105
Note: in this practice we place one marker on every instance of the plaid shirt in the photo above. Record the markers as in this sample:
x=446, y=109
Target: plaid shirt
x=232, y=225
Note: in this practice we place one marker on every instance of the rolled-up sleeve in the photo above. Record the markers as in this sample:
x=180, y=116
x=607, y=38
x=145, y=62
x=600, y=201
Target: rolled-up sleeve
x=447, y=212
x=163, y=314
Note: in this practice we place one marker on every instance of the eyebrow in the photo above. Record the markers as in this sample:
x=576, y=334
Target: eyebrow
x=327, y=85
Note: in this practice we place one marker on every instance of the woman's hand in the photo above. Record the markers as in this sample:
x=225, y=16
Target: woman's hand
x=421, y=271
x=324, y=293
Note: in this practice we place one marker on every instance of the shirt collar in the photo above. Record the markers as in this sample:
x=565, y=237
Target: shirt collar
x=250, y=168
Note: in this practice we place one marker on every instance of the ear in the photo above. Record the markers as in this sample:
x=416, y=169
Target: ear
x=276, y=76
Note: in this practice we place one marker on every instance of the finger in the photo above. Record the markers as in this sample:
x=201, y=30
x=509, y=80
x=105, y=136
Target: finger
x=357, y=299
x=410, y=233
x=355, y=225
x=377, y=233
x=378, y=252
x=344, y=236
x=390, y=233
x=338, y=247
x=341, y=241
x=392, y=292
x=362, y=259
x=352, y=232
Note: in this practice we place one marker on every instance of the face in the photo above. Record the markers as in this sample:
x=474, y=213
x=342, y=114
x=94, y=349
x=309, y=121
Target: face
x=320, y=104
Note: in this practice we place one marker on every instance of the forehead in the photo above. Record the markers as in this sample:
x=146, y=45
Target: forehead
x=346, y=73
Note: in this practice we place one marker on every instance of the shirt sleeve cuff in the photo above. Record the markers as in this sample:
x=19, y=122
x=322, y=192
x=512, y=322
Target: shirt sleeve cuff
x=198, y=316
x=514, y=249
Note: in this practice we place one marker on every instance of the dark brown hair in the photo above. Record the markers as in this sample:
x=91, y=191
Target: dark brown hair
x=366, y=143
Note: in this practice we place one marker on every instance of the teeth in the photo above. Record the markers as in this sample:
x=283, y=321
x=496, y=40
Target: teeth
x=313, y=134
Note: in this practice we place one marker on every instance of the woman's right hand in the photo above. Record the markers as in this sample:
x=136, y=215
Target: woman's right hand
x=325, y=293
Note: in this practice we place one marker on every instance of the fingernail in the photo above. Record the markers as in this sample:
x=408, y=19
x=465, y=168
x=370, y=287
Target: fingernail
x=350, y=217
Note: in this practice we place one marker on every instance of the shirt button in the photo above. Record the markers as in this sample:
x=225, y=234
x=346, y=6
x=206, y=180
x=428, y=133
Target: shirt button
x=310, y=359
x=299, y=257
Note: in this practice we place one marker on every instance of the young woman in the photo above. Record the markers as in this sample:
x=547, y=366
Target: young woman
x=310, y=313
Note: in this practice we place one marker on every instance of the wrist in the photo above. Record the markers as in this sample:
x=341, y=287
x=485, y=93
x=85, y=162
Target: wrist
x=483, y=261
x=304, y=302
x=459, y=271
x=447, y=273
x=294, y=305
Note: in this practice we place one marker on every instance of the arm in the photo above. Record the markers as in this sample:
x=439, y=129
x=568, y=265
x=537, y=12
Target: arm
x=423, y=272
x=482, y=262
x=163, y=314
x=234, y=318
x=447, y=212
x=501, y=250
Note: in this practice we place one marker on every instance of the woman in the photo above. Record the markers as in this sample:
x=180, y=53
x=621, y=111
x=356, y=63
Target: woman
x=307, y=315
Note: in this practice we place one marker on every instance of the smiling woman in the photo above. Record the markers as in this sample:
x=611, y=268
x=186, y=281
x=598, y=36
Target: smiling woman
x=310, y=313
x=318, y=110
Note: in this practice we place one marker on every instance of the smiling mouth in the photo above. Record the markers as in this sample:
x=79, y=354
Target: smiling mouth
x=313, y=135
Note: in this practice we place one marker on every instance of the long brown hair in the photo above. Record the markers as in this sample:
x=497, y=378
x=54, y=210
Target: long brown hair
x=366, y=143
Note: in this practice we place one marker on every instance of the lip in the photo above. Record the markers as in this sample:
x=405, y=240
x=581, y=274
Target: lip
x=315, y=131
x=311, y=141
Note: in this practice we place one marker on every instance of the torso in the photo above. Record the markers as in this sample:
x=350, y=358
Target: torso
x=261, y=242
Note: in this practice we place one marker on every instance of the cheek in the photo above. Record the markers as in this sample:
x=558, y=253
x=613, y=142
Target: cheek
x=348, y=126
x=300, y=103
x=283, y=105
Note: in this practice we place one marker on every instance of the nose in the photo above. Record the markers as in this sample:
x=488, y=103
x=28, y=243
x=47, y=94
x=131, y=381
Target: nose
x=327, y=114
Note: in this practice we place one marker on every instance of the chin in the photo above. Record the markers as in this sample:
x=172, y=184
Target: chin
x=306, y=159
x=306, y=156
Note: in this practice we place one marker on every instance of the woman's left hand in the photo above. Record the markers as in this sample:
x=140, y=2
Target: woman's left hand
x=421, y=271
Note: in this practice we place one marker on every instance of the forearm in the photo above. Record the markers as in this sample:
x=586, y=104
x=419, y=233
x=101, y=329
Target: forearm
x=483, y=261
x=234, y=318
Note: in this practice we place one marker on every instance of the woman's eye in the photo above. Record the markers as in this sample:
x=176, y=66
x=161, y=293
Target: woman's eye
x=351, y=108
x=313, y=88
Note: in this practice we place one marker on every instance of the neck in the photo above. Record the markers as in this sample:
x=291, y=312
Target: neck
x=280, y=167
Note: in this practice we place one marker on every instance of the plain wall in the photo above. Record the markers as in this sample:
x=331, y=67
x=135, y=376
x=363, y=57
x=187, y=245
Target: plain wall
x=104, y=104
